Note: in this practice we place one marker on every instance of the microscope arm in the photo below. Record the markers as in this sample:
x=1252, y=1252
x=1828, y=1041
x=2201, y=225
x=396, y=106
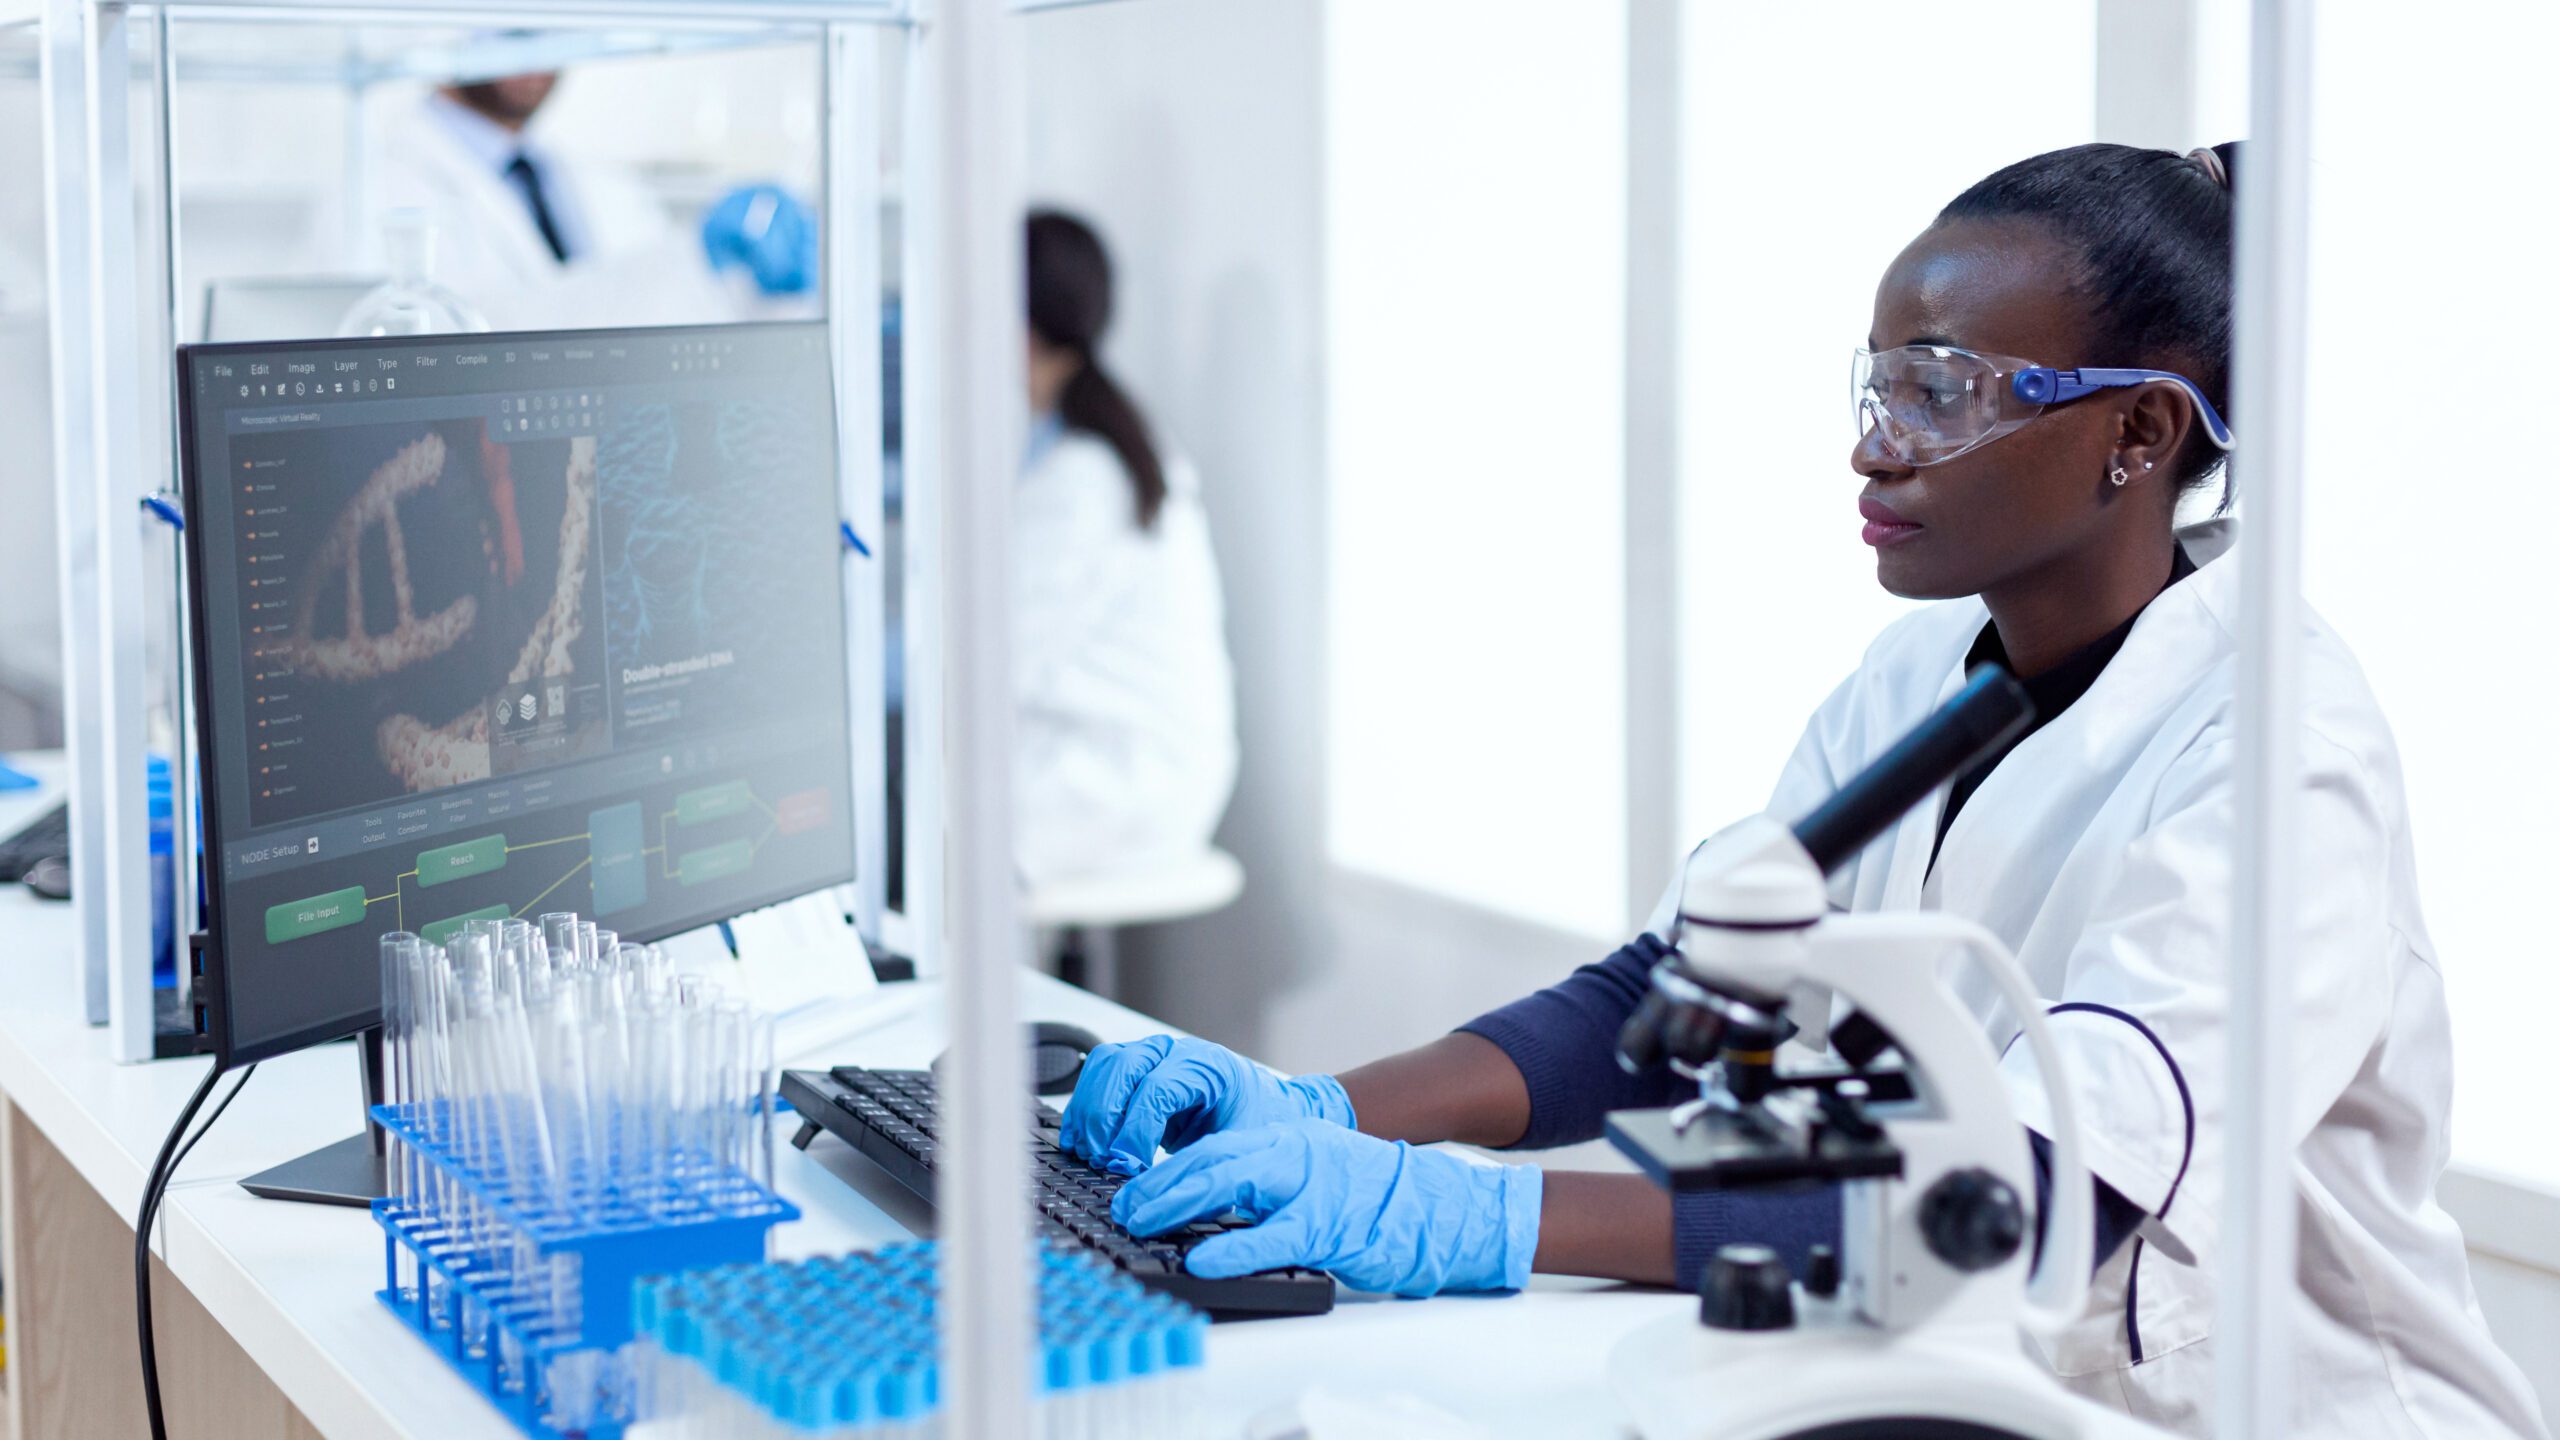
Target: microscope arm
x=1990, y=710
x=2060, y=1289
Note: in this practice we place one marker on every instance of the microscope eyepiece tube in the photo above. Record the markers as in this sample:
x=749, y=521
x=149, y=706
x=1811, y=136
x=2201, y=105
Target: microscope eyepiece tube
x=1991, y=709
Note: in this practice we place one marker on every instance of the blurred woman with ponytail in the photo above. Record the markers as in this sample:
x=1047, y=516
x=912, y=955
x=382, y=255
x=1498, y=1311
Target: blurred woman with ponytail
x=1125, y=737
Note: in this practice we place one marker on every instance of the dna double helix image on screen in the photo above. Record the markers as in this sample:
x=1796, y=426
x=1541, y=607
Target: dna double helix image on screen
x=524, y=623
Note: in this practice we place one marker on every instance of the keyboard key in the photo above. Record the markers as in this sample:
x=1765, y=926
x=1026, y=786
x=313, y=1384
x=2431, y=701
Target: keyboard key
x=890, y=1115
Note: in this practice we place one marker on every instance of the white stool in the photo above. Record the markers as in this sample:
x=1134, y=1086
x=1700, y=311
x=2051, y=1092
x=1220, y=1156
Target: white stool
x=1075, y=915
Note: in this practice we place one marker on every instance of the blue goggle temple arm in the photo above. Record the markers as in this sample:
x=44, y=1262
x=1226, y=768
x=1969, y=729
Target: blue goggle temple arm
x=2043, y=385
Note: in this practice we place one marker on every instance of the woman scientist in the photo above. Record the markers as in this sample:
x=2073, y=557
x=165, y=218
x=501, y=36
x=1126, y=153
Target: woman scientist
x=1124, y=730
x=2098, y=848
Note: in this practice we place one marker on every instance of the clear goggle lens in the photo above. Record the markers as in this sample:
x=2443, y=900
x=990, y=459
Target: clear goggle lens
x=1930, y=403
x=1927, y=403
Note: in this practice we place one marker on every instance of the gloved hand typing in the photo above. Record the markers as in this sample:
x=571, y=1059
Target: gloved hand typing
x=1379, y=1214
x=1172, y=1092
x=764, y=229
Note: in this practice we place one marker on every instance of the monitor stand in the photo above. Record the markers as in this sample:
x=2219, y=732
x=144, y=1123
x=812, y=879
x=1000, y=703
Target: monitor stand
x=347, y=1172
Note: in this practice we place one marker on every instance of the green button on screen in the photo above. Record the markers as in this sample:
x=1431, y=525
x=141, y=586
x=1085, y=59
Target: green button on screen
x=717, y=863
x=301, y=919
x=713, y=802
x=457, y=862
x=436, y=932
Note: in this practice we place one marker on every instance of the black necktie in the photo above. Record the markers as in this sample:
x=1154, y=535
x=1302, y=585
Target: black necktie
x=529, y=180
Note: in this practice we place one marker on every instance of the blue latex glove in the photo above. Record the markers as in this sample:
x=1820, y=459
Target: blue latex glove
x=1173, y=1092
x=1379, y=1214
x=764, y=229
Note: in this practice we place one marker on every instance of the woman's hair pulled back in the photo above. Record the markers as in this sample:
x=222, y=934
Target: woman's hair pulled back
x=1069, y=291
x=2152, y=229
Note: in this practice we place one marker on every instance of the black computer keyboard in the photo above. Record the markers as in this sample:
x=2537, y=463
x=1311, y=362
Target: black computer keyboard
x=47, y=835
x=888, y=1115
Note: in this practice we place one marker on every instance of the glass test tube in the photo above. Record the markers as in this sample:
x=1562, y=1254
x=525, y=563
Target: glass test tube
x=396, y=953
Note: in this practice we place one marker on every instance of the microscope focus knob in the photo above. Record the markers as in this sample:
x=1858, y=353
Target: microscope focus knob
x=1746, y=1288
x=1972, y=1219
x=1822, y=1272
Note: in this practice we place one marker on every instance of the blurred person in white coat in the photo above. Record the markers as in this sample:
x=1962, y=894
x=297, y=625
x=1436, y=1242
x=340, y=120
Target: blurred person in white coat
x=1125, y=734
x=532, y=238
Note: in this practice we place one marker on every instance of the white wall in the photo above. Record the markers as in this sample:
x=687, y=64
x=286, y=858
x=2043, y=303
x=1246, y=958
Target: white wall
x=1476, y=403
x=1190, y=135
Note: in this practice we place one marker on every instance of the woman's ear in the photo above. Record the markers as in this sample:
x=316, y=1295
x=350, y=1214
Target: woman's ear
x=2156, y=421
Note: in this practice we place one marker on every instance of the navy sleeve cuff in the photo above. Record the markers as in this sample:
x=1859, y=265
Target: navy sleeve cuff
x=1553, y=1117
x=1790, y=1222
x=1564, y=1040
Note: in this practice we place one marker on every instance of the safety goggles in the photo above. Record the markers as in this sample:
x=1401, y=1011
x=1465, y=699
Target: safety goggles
x=1932, y=403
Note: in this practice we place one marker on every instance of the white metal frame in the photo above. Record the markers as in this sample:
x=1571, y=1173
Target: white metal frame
x=100, y=468
x=68, y=261
x=922, y=394
x=852, y=170
x=1651, y=526
x=2254, y=1389
x=964, y=288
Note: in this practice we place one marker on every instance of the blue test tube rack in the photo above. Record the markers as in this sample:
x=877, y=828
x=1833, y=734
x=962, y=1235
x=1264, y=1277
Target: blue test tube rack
x=614, y=1236
x=849, y=1348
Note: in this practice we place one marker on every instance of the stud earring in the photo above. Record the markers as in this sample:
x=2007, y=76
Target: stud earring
x=2116, y=473
x=2146, y=464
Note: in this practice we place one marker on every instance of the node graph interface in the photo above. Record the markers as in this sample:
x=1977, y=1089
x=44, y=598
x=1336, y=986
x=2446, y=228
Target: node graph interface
x=496, y=625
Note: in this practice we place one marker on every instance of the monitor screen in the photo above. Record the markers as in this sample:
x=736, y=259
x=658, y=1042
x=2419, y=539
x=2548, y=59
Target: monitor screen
x=496, y=625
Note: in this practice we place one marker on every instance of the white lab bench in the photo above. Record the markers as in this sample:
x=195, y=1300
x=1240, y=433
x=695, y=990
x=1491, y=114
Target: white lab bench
x=292, y=1286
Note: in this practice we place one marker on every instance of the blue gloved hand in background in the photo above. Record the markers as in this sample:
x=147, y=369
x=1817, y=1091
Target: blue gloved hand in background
x=1379, y=1214
x=764, y=229
x=1172, y=1091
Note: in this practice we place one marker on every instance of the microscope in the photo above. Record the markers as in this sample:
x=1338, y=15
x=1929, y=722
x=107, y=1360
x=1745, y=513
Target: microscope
x=1830, y=1048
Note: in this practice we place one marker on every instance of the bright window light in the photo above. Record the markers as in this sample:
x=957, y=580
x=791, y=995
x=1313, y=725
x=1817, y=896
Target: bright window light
x=2429, y=511
x=1475, y=254
x=1820, y=139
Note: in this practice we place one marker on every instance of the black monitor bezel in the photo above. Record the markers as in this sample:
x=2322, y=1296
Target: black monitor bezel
x=229, y=1051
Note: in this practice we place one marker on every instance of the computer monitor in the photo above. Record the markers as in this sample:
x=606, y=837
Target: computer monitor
x=497, y=625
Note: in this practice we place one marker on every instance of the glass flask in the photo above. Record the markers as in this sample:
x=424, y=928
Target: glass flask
x=410, y=302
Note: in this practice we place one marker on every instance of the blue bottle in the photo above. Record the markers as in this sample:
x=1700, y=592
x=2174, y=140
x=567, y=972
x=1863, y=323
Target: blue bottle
x=164, y=878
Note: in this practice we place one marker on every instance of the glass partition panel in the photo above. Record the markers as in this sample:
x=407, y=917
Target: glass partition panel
x=2427, y=523
x=1780, y=598
x=1476, y=194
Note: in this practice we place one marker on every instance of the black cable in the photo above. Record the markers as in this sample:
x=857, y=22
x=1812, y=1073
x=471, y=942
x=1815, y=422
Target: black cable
x=236, y=1087
x=172, y=1151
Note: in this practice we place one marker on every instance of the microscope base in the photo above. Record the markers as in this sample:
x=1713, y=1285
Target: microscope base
x=1842, y=1379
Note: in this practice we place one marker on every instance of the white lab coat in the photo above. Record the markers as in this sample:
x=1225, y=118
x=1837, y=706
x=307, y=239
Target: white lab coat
x=630, y=263
x=1125, y=728
x=2100, y=850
